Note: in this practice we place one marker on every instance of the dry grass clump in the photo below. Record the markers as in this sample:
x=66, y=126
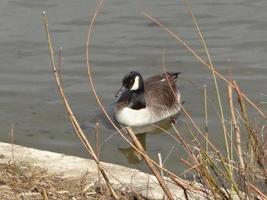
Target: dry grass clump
x=27, y=182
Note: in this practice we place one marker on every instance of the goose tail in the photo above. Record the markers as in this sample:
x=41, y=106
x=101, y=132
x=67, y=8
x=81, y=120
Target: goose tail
x=173, y=75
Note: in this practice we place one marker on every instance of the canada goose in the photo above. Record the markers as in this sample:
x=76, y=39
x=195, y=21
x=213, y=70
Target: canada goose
x=145, y=102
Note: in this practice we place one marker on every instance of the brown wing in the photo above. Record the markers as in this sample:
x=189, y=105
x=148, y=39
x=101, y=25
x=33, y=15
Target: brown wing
x=158, y=92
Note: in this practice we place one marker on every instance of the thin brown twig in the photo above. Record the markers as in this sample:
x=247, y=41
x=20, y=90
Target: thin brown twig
x=252, y=139
x=11, y=137
x=264, y=196
x=183, y=188
x=236, y=128
x=45, y=194
x=98, y=153
x=206, y=117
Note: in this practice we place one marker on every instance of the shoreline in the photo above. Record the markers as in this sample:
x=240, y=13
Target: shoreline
x=72, y=166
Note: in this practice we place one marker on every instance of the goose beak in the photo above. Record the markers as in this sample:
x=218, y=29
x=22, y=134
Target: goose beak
x=120, y=92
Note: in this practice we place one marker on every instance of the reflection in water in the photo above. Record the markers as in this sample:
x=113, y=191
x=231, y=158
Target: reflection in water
x=131, y=154
x=134, y=156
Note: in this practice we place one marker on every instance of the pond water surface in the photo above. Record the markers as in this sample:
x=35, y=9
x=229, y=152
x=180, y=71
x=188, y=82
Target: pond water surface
x=123, y=40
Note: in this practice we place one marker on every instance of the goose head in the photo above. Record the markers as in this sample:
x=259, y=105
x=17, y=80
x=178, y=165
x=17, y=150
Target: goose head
x=132, y=82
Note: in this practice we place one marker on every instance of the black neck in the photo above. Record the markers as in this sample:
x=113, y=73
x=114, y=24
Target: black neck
x=135, y=99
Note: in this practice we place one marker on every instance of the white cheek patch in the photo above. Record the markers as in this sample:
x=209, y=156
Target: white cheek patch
x=136, y=83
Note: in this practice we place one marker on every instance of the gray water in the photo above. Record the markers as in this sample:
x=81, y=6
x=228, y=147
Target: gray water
x=123, y=40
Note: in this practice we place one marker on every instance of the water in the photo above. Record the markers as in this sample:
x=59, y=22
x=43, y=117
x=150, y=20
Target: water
x=123, y=40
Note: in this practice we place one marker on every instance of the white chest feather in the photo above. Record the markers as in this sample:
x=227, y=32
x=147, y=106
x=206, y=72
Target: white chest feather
x=131, y=117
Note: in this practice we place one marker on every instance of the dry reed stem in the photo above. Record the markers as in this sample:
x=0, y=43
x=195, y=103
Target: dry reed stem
x=237, y=130
x=151, y=165
x=185, y=45
x=194, y=137
x=45, y=194
x=97, y=139
x=59, y=65
x=243, y=110
x=11, y=138
x=241, y=170
x=160, y=164
x=183, y=188
x=256, y=151
x=97, y=153
x=252, y=140
x=206, y=117
x=263, y=196
x=73, y=120
x=191, y=167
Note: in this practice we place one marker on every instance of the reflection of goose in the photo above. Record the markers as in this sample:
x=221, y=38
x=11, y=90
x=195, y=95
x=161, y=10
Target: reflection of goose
x=145, y=102
x=131, y=154
x=134, y=156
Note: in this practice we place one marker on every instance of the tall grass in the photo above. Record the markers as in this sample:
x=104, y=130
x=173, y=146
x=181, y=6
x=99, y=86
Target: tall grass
x=239, y=172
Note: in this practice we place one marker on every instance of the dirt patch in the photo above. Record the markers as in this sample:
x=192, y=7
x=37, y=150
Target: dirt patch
x=27, y=182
